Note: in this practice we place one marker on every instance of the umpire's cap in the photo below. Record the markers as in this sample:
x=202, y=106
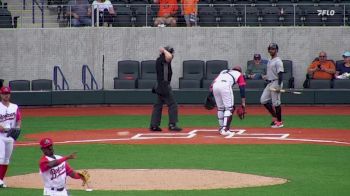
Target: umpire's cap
x=169, y=49
x=46, y=142
x=273, y=46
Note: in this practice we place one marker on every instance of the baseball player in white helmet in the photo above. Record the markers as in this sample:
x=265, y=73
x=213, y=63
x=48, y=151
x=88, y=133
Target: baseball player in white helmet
x=54, y=169
x=10, y=117
x=272, y=99
x=223, y=93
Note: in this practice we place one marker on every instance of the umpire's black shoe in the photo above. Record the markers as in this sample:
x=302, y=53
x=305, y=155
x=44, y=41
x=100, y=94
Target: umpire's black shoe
x=173, y=127
x=155, y=128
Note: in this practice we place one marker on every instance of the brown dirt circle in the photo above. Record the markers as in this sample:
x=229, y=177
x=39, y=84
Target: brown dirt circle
x=154, y=179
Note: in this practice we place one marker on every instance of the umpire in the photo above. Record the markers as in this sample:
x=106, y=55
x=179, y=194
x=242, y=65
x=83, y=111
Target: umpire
x=164, y=91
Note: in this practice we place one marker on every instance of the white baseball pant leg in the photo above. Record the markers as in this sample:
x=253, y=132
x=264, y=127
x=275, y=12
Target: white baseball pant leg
x=224, y=101
x=6, y=148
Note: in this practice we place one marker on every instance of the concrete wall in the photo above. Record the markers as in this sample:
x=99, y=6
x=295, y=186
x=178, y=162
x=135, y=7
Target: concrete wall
x=32, y=53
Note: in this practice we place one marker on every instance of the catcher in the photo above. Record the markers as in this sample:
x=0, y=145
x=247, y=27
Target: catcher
x=222, y=90
x=54, y=169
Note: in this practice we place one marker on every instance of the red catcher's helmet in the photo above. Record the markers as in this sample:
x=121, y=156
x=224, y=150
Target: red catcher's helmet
x=237, y=68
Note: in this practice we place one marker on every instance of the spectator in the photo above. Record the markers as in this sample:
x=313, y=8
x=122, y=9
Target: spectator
x=321, y=68
x=106, y=11
x=79, y=12
x=257, y=69
x=167, y=13
x=343, y=70
x=189, y=11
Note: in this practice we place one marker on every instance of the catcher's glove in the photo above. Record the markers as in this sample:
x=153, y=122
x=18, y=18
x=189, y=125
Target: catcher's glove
x=14, y=133
x=241, y=112
x=85, y=176
x=209, y=103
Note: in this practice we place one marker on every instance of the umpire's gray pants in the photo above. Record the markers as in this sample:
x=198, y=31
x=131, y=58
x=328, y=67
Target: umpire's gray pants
x=158, y=107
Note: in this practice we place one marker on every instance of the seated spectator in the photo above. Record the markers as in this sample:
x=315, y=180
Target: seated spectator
x=189, y=11
x=343, y=71
x=167, y=13
x=257, y=69
x=79, y=12
x=106, y=11
x=321, y=68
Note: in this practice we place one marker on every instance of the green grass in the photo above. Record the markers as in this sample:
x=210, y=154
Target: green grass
x=41, y=124
x=311, y=169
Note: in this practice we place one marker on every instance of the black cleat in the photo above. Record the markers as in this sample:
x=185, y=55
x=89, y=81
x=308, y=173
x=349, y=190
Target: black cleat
x=155, y=128
x=173, y=127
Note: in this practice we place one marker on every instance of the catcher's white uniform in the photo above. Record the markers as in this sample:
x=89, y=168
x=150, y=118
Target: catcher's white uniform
x=224, y=98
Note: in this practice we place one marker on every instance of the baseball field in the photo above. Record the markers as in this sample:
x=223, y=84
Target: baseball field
x=311, y=152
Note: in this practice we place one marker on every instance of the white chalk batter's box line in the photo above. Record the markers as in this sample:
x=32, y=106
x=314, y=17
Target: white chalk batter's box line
x=236, y=133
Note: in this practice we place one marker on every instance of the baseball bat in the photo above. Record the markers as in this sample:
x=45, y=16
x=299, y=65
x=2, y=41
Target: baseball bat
x=103, y=72
x=286, y=91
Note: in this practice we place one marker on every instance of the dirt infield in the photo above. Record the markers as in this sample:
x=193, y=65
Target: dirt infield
x=154, y=179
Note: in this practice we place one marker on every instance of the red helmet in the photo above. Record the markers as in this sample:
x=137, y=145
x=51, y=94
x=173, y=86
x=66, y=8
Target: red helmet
x=237, y=68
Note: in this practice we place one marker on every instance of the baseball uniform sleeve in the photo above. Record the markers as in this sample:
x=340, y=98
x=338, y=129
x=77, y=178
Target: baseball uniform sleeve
x=68, y=169
x=279, y=66
x=18, y=115
x=241, y=80
x=43, y=164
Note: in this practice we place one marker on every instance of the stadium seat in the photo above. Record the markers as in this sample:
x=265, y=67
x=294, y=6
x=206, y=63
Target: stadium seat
x=5, y=18
x=320, y=84
x=20, y=85
x=253, y=16
x=128, y=73
x=123, y=17
x=255, y=84
x=341, y=84
x=1, y=82
x=336, y=19
x=229, y=16
x=207, y=16
x=220, y=4
x=311, y=15
x=339, y=63
x=41, y=84
x=143, y=16
x=193, y=73
x=271, y=15
x=148, y=74
x=288, y=79
x=213, y=68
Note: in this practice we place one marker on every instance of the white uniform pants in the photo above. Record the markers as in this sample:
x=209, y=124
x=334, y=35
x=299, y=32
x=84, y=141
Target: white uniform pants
x=223, y=95
x=49, y=192
x=6, y=148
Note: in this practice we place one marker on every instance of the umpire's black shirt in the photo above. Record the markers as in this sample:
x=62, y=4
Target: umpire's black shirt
x=160, y=65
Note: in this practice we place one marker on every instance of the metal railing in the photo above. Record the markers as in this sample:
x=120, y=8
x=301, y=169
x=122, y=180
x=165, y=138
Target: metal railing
x=93, y=84
x=57, y=70
x=212, y=14
x=41, y=8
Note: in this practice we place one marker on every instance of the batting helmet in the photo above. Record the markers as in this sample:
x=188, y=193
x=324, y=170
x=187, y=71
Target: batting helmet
x=273, y=46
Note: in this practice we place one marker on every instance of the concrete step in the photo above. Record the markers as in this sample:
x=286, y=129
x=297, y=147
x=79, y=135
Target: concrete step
x=25, y=19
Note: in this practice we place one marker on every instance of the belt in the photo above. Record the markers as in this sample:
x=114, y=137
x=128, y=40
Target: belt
x=269, y=81
x=223, y=81
x=57, y=189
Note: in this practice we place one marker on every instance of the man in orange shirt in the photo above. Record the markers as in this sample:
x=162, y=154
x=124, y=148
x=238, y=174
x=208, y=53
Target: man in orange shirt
x=167, y=13
x=322, y=68
x=189, y=11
